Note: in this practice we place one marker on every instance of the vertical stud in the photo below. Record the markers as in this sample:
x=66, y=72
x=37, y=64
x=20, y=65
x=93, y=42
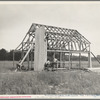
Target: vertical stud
x=89, y=58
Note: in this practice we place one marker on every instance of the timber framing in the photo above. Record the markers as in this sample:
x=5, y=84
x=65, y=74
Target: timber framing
x=58, y=39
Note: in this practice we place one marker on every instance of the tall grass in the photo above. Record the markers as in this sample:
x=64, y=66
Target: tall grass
x=57, y=82
x=70, y=82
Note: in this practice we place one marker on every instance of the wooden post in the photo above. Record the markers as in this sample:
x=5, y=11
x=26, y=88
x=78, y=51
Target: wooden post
x=28, y=61
x=53, y=60
x=71, y=60
x=29, y=53
x=22, y=54
x=57, y=65
x=40, y=54
x=54, y=55
x=89, y=58
x=61, y=64
x=13, y=58
x=80, y=53
x=63, y=59
x=31, y=58
x=79, y=60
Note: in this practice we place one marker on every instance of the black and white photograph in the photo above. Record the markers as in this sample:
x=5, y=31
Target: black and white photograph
x=49, y=49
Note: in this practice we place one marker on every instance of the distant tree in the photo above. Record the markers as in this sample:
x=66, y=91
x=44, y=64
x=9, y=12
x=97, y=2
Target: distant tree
x=76, y=58
x=17, y=56
x=10, y=55
x=3, y=54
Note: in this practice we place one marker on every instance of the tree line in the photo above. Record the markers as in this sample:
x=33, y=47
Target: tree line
x=5, y=55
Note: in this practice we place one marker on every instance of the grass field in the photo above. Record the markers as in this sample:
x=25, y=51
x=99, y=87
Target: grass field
x=57, y=82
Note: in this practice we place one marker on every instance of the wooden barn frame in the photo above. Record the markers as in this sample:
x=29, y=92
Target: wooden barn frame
x=41, y=39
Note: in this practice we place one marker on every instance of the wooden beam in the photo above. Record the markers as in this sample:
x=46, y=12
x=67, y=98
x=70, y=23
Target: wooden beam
x=22, y=53
x=28, y=62
x=54, y=55
x=80, y=60
x=13, y=58
x=31, y=59
x=74, y=51
x=69, y=61
x=40, y=55
x=89, y=58
x=79, y=52
x=61, y=55
x=63, y=59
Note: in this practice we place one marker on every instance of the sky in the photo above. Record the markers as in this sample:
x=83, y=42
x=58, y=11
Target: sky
x=17, y=17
